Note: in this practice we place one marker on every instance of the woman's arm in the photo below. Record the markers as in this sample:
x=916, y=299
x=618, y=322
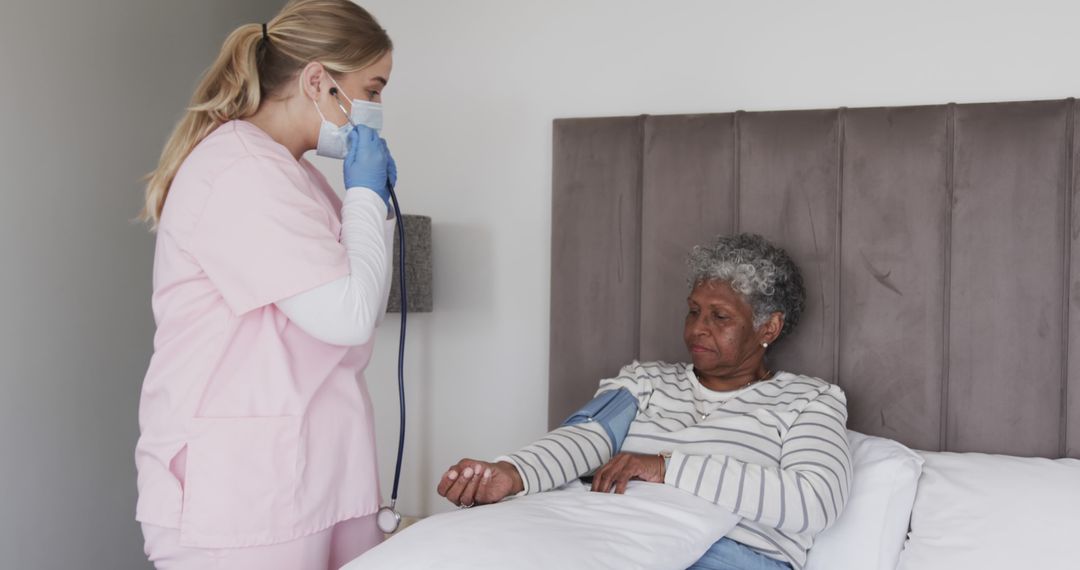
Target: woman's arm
x=552, y=461
x=345, y=312
x=564, y=454
x=587, y=440
x=806, y=493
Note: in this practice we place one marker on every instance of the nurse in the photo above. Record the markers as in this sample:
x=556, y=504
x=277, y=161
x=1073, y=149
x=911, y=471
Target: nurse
x=257, y=446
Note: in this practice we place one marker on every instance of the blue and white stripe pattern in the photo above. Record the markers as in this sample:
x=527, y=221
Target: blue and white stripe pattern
x=775, y=453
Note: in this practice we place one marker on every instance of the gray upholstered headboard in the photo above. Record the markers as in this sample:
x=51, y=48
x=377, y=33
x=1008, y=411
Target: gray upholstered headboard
x=938, y=245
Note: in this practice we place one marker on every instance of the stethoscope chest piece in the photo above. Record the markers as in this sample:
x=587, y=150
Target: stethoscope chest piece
x=388, y=520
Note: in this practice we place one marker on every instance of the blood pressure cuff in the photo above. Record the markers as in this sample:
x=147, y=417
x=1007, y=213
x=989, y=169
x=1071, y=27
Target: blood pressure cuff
x=613, y=410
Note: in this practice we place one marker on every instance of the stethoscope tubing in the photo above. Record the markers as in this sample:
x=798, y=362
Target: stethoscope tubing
x=401, y=337
x=401, y=343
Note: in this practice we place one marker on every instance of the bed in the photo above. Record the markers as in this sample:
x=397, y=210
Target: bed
x=939, y=250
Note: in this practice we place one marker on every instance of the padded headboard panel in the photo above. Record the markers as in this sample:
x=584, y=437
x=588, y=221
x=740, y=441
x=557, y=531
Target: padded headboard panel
x=938, y=245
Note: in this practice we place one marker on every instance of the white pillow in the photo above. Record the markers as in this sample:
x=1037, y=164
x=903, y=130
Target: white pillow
x=870, y=531
x=652, y=526
x=994, y=512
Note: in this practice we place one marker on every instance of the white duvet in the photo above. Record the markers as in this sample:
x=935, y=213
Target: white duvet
x=652, y=526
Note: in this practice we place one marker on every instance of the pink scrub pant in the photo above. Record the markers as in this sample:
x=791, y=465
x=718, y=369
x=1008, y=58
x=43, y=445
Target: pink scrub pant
x=327, y=550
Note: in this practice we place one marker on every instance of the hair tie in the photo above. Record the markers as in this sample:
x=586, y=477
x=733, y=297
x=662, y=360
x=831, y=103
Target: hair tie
x=266, y=36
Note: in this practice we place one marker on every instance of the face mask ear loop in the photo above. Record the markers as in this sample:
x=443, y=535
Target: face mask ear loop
x=319, y=111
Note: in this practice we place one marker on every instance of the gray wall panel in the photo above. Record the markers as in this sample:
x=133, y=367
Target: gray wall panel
x=1005, y=338
x=596, y=269
x=788, y=191
x=1071, y=414
x=893, y=275
x=689, y=192
x=938, y=245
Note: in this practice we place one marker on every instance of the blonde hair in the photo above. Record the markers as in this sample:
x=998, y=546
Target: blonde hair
x=339, y=34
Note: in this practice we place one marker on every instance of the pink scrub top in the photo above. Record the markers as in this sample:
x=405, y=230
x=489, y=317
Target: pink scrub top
x=252, y=431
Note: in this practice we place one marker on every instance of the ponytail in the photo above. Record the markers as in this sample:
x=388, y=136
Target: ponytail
x=228, y=90
x=258, y=59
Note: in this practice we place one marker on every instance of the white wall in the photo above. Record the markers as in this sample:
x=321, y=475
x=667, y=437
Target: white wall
x=88, y=93
x=477, y=83
x=90, y=90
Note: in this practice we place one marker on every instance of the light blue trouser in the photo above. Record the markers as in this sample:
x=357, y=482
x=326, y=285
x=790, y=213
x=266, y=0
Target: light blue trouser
x=727, y=554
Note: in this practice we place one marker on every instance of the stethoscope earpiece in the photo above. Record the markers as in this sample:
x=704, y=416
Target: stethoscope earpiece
x=337, y=101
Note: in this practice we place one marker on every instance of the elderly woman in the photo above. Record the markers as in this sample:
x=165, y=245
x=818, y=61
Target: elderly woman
x=768, y=445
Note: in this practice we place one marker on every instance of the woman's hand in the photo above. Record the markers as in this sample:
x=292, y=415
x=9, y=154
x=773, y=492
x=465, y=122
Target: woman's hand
x=472, y=482
x=625, y=467
x=368, y=163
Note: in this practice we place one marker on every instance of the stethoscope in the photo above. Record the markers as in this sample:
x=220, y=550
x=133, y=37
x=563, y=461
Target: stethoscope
x=388, y=519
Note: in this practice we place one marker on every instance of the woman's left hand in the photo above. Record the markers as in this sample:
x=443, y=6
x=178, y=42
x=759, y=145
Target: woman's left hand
x=627, y=466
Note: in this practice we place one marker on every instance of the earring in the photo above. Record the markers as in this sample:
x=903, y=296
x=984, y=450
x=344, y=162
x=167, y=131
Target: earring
x=764, y=345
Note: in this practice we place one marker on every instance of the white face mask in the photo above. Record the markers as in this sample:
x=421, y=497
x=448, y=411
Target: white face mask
x=334, y=140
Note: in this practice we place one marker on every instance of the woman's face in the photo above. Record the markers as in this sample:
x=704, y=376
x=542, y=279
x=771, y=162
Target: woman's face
x=719, y=331
x=367, y=84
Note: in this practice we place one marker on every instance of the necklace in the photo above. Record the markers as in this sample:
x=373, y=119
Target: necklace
x=704, y=414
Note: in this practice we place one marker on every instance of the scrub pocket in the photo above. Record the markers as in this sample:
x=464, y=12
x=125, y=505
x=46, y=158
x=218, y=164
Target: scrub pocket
x=241, y=481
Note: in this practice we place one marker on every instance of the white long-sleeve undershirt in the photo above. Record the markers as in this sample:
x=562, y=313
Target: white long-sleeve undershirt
x=345, y=311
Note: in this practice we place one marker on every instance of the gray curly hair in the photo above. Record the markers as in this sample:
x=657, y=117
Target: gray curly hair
x=759, y=271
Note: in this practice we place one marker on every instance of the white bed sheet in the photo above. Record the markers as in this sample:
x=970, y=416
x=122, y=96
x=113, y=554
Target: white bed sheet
x=652, y=526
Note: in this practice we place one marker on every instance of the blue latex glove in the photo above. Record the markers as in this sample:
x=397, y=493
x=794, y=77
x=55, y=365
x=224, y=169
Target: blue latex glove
x=367, y=162
x=391, y=166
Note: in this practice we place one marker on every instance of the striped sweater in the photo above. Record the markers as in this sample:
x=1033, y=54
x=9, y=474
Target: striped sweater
x=774, y=453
